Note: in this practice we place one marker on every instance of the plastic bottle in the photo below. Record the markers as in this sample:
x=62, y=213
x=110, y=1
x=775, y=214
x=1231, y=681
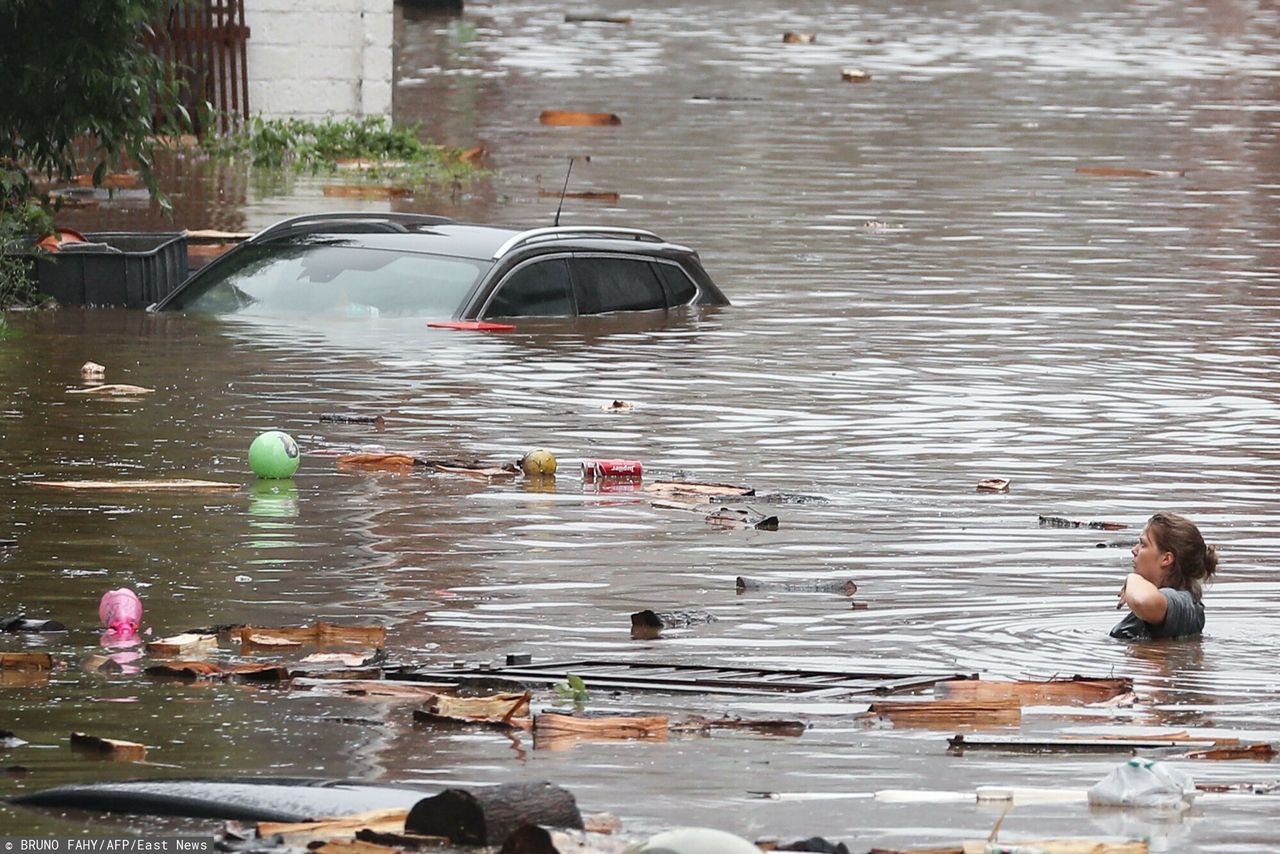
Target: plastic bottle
x=121, y=612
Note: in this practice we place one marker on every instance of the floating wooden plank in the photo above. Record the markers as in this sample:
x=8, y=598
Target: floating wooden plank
x=115, y=389
x=110, y=748
x=1128, y=172
x=1060, y=522
x=503, y=711
x=320, y=634
x=993, y=484
x=846, y=587
x=166, y=485
x=1078, y=690
x=259, y=672
x=763, y=726
x=1260, y=751
x=585, y=195
x=26, y=661
x=366, y=191
x=689, y=489
x=386, y=462
x=591, y=18
x=1015, y=744
x=572, y=118
x=947, y=713
x=386, y=821
x=737, y=517
x=182, y=645
x=343, y=659
x=187, y=671
x=606, y=726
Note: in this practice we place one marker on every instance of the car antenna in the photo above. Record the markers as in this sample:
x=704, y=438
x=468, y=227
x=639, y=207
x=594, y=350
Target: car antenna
x=560, y=204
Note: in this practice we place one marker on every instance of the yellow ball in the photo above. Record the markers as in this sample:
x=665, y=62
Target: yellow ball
x=538, y=463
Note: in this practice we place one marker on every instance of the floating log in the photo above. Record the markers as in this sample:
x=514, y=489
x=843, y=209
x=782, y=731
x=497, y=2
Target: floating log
x=570, y=118
x=689, y=489
x=22, y=624
x=114, y=389
x=182, y=645
x=26, y=661
x=650, y=622
x=602, y=726
x=110, y=748
x=993, y=484
x=171, y=485
x=846, y=587
x=1262, y=751
x=392, y=462
x=1127, y=172
x=1060, y=522
x=487, y=816
x=947, y=713
x=585, y=195
x=733, y=517
x=799, y=38
x=320, y=634
x=338, y=418
x=1078, y=690
x=187, y=671
x=501, y=710
x=586, y=18
x=366, y=191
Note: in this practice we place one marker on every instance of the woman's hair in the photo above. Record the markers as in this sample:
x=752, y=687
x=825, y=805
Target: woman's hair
x=1193, y=561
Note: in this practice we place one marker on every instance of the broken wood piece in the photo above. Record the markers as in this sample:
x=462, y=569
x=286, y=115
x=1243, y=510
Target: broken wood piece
x=320, y=634
x=1060, y=522
x=260, y=642
x=388, y=820
x=1261, y=750
x=393, y=462
x=603, y=725
x=947, y=713
x=846, y=587
x=993, y=484
x=585, y=195
x=766, y=727
x=799, y=38
x=1125, y=172
x=184, y=645
x=488, y=815
x=259, y=672
x=338, y=418
x=110, y=748
x=500, y=710
x=572, y=118
x=92, y=371
x=681, y=488
x=26, y=661
x=117, y=389
x=366, y=191
x=736, y=517
x=591, y=18
x=649, y=623
x=1078, y=690
x=345, y=659
x=855, y=75
x=170, y=485
x=187, y=671
x=481, y=472
x=1120, y=744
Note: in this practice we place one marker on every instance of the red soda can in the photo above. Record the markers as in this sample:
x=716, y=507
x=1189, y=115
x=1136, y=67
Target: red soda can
x=599, y=469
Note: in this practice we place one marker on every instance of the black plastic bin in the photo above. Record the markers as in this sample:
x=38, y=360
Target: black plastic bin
x=133, y=269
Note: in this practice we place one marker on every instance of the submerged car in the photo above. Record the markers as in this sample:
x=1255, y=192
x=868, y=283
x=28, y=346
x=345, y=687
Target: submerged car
x=416, y=265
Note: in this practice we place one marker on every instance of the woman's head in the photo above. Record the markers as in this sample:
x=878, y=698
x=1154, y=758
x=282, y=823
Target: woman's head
x=1181, y=552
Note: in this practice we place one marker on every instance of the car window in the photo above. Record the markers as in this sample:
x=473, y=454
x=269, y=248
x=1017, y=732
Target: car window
x=679, y=287
x=615, y=284
x=540, y=288
x=326, y=279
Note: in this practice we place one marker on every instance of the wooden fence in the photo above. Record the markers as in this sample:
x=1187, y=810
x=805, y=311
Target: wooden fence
x=206, y=40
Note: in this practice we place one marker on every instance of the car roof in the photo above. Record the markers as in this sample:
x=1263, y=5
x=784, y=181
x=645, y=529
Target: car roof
x=440, y=235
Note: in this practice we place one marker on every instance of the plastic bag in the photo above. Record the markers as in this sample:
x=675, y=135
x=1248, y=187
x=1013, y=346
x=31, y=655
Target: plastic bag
x=1144, y=783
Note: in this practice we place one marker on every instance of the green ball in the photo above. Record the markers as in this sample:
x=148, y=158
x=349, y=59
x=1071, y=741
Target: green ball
x=274, y=455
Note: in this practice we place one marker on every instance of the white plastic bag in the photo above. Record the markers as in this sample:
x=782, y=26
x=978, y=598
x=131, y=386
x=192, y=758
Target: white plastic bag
x=1144, y=783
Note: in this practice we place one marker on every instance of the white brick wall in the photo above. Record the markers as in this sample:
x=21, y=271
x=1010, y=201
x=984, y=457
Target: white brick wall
x=322, y=57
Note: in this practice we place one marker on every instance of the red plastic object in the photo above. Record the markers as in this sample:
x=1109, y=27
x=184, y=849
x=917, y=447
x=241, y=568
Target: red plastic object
x=51, y=242
x=473, y=325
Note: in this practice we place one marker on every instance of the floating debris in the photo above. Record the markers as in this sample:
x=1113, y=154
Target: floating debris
x=116, y=389
x=855, y=75
x=366, y=191
x=1077, y=690
x=993, y=484
x=799, y=38
x=591, y=18
x=1122, y=172
x=618, y=406
x=182, y=645
x=657, y=620
x=173, y=485
x=92, y=371
x=572, y=118
x=504, y=711
x=690, y=489
x=846, y=587
x=1060, y=522
x=337, y=418
x=584, y=195
x=110, y=748
x=731, y=517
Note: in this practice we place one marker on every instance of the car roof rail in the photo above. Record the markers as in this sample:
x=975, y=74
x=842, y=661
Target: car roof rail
x=315, y=222
x=534, y=235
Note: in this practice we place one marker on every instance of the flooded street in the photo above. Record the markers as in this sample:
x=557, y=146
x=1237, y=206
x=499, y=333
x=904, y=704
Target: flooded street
x=951, y=272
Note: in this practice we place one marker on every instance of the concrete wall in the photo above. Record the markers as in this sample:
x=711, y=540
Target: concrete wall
x=313, y=58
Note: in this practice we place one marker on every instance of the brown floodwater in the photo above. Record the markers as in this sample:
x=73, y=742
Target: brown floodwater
x=927, y=292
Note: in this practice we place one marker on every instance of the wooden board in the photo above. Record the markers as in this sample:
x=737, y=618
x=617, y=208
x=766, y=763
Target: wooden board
x=184, y=645
x=947, y=713
x=321, y=634
x=173, y=485
x=26, y=661
x=1078, y=690
x=112, y=748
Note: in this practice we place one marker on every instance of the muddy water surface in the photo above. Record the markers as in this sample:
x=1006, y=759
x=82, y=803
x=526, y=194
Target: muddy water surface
x=927, y=292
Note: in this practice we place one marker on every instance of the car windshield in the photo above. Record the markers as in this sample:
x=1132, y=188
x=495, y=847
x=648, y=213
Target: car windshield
x=335, y=278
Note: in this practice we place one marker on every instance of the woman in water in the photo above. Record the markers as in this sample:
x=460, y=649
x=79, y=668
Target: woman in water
x=1163, y=592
